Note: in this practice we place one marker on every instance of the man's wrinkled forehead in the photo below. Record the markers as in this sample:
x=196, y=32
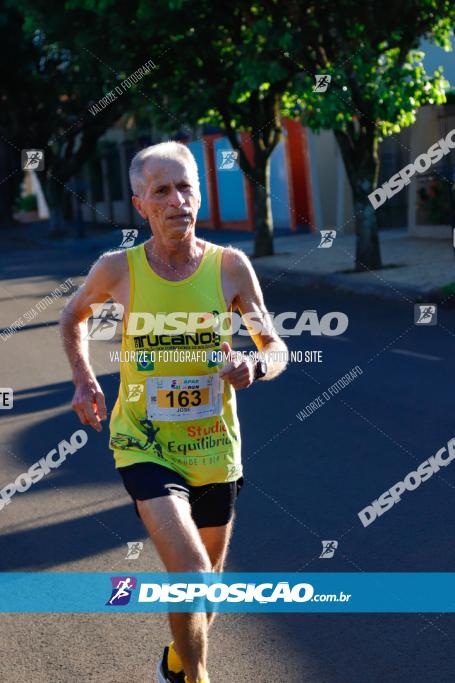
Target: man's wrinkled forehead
x=164, y=171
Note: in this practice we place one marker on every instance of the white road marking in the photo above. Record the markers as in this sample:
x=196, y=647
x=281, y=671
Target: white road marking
x=414, y=354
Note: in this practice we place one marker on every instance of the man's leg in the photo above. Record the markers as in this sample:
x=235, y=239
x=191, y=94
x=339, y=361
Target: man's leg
x=170, y=525
x=216, y=541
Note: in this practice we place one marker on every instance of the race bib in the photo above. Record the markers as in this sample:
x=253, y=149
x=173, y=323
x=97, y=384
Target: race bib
x=184, y=398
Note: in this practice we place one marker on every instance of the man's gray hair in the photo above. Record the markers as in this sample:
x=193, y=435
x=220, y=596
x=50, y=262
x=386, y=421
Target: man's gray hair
x=164, y=150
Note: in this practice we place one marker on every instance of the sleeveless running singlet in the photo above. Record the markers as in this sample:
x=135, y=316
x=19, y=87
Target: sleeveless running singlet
x=172, y=407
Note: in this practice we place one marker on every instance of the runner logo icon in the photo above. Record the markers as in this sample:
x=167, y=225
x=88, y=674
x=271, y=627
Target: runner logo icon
x=122, y=587
x=104, y=320
x=327, y=238
x=425, y=314
x=129, y=237
x=328, y=549
x=322, y=82
x=32, y=159
x=228, y=159
x=134, y=550
x=135, y=392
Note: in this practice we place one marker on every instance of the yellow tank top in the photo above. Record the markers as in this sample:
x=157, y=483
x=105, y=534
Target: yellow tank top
x=172, y=408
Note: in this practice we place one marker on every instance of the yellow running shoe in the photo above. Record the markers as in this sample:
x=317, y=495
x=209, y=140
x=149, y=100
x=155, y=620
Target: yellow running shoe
x=163, y=673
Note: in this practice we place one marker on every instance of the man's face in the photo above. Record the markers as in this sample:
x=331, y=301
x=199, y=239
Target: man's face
x=170, y=199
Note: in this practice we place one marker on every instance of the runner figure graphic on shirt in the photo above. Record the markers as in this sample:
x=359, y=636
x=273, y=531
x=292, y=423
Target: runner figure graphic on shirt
x=125, y=441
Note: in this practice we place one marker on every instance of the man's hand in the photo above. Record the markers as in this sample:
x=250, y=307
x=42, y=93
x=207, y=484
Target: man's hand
x=89, y=404
x=239, y=371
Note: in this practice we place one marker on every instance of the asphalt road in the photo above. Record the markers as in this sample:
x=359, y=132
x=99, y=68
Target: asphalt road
x=305, y=482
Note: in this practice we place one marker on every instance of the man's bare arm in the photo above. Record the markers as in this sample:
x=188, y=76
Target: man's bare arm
x=88, y=401
x=249, y=299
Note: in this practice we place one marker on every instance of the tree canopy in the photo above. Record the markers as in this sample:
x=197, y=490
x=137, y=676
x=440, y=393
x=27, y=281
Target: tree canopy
x=243, y=66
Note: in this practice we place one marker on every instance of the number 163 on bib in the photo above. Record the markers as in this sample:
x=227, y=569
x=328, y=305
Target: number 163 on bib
x=184, y=398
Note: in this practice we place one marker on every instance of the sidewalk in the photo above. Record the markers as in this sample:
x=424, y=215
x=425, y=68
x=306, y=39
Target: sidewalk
x=422, y=268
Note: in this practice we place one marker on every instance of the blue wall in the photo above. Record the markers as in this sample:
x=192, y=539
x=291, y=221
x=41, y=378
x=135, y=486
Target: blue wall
x=231, y=190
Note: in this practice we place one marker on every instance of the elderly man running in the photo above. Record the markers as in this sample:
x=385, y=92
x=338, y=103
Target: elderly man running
x=177, y=445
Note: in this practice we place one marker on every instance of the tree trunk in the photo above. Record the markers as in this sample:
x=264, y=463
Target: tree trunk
x=54, y=191
x=360, y=156
x=262, y=206
x=368, y=252
x=264, y=117
x=12, y=176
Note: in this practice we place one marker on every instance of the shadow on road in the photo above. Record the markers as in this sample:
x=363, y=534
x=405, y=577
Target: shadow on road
x=56, y=543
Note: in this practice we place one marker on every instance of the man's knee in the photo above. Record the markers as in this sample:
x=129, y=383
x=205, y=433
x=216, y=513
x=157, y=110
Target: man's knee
x=172, y=529
x=191, y=561
x=195, y=562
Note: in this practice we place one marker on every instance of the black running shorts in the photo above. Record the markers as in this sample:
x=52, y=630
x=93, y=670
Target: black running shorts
x=211, y=504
